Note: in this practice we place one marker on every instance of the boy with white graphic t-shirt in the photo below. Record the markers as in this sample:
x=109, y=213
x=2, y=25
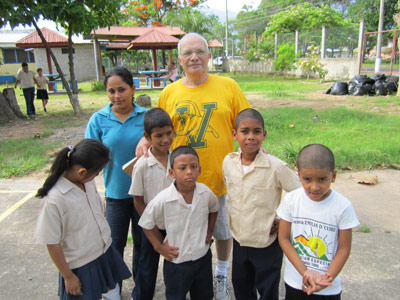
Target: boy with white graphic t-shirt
x=315, y=228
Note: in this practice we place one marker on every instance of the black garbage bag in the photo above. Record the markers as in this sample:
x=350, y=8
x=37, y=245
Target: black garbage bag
x=391, y=87
x=328, y=91
x=378, y=76
x=393, y=78
x=339, y=88
x=352, y=86
x=380, y=88
x=362, y=89
x=362, y=79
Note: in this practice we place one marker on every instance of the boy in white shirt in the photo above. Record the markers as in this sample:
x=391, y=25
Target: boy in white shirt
x=315, y=229
x=255, y=180
x=187, y=210
x=149, y=177
x=41, y=93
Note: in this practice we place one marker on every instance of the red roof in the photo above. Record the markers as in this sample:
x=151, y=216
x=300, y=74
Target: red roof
x=154, y=39
x=120, y=33
x=112, y=46
x=33, y=40
x=214, y=44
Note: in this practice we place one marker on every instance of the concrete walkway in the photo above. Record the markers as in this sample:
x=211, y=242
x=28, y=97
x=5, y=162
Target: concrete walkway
x=372, y=271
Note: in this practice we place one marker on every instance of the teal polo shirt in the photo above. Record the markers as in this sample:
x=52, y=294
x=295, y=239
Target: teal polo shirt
x=121, y=139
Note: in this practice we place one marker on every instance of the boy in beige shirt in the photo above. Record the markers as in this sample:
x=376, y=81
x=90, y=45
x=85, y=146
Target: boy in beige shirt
x=187, y=210
x=254, y=180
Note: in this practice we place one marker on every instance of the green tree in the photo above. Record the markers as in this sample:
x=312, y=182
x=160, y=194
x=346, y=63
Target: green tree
x=190, y=20
x=75, y=16
x=153, y=12
x=304, y=17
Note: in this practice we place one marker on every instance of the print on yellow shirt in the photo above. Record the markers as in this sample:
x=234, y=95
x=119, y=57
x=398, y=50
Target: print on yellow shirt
x=198, y=120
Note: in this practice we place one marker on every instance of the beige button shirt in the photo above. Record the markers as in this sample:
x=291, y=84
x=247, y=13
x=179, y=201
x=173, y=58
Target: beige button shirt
x=149, y=177
x=186, y=225
x=26, y=78
x=253, y=197
x=74, y=219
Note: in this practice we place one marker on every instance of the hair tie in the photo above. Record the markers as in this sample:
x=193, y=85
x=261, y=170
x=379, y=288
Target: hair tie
x=70, y=149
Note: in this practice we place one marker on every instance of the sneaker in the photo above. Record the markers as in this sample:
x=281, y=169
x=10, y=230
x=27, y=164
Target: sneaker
x=220, y=288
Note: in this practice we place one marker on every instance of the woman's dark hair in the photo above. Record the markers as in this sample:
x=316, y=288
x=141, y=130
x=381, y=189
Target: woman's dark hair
x=91, y=154
x=122, y=72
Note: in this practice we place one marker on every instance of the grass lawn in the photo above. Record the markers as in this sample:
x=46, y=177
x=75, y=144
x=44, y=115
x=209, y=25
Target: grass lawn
x=358, y=137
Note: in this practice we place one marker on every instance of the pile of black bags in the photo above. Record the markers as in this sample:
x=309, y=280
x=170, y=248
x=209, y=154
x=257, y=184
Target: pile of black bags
x=360, y=85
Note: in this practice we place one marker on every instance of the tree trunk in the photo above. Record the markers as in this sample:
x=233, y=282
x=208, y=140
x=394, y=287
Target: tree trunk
x=76, y=107
x=9, y=108
x=396, y=18
x=74, y=100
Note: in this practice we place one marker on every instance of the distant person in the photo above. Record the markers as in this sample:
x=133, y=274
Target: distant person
x=187, y=210
x=119, y=126
x=41, y=92
x=27, y=79
x=203, y=108
x=149, y=177
x=71, y=222
x=315, y=230
x=255, y=180
x=174, y=73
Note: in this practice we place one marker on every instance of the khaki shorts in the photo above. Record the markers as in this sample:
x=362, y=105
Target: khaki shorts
x=221, y=230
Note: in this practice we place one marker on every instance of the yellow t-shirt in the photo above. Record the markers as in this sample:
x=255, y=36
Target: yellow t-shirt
x=203, y=119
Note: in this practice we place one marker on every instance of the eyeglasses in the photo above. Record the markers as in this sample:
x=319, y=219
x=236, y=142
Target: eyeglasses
x=199, y=52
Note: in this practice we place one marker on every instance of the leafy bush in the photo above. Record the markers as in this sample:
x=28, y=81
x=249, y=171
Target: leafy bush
x=98, y=86
x=311, y=63
x=286, y=58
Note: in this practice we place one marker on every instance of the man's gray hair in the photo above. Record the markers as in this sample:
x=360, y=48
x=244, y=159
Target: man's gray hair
x=190, y=34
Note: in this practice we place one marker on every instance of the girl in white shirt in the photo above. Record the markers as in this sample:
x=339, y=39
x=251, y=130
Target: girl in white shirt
x=72, y=223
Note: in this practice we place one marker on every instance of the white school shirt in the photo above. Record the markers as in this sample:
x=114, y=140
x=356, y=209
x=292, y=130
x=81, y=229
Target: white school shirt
x=149, y=177
x=186, y=226
x=314, y=233
x=26, y=78
x=42, y=80
x=74, y=219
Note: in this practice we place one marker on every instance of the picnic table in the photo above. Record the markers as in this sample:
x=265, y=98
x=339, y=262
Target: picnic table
x=155, y=76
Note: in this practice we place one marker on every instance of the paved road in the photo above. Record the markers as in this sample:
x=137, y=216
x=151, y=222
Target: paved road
x=372, y=271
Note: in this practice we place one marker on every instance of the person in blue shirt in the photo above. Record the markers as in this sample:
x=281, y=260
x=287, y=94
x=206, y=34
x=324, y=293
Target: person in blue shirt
x=119, y=126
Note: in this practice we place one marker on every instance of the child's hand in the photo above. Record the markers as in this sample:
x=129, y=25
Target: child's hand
x=73, y=285
x=275, y=227
x=208, y=238
x=169, y=252
x=314, y=281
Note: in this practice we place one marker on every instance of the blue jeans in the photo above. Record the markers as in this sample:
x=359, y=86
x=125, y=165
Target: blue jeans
x=29, y=95
x=146, y=277
x=120, y=213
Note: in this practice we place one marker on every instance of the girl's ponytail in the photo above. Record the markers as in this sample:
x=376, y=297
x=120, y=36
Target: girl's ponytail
x=88, y=153
x=60, y=164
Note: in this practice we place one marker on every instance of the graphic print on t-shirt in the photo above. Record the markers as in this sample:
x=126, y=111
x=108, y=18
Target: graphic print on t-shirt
x=194, y=122
x=316, y=244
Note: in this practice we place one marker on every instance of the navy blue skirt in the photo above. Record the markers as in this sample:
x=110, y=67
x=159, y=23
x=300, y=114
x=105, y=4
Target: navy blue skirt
x=98, y=276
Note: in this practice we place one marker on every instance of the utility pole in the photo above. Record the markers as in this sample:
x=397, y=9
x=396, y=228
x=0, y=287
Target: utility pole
x=226, y=28
x=378, y=60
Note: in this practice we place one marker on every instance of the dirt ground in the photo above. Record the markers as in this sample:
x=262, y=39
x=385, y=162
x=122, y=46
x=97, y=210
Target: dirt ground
x=372, y=271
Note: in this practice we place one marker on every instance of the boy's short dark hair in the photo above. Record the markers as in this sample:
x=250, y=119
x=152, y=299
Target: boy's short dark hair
x=24, y=64
x=316, y=156
x=248, y=113
x=181, y=150
x=156, y=118
x=39, y=69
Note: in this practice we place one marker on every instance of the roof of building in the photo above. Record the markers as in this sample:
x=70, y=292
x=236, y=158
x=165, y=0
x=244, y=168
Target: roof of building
x=119, y=33
x=214, y=44
x=8, y=38
x=154, y=39
x=54, y=39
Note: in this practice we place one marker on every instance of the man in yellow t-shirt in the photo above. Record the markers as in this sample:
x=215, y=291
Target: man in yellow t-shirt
x=203, y=108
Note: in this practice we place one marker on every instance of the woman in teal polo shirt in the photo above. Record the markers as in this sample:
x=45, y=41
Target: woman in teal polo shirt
x=119, y=126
